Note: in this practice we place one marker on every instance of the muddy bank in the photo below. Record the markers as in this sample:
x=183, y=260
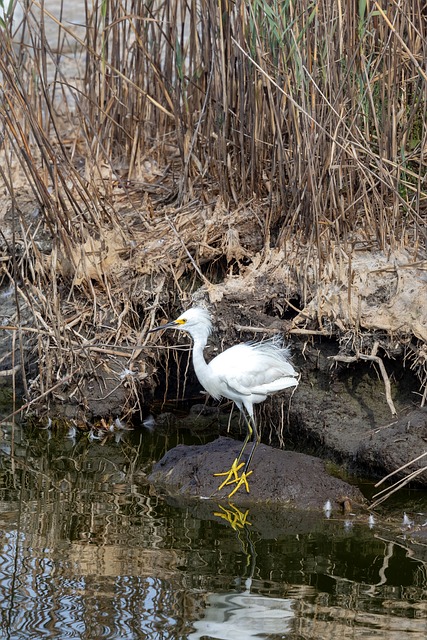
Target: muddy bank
x=279, y=477
x=359, y=376
x=338, y=412
x=341, y=413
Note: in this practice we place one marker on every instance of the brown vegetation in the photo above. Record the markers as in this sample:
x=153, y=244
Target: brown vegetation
x=260, y=154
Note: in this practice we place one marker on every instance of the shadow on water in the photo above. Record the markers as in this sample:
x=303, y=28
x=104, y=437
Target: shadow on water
x=90, y=550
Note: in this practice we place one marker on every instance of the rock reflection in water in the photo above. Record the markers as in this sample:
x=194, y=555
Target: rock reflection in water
x=88, y=550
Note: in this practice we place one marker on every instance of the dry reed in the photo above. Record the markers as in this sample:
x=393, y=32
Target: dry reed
x=314, y=110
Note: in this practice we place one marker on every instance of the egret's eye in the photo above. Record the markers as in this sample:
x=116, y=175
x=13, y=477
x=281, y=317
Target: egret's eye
x=180, y=321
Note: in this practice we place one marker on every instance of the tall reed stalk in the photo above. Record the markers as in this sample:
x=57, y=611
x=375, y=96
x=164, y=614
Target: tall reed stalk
x=317, y=106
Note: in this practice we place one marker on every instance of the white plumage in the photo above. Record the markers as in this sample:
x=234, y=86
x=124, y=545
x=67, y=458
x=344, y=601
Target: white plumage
x=245, y=373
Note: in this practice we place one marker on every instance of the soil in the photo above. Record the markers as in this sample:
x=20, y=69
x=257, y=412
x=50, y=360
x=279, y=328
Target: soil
x=342, y=414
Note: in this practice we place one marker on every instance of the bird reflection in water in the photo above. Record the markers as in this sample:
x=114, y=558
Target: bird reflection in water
x=243, y=612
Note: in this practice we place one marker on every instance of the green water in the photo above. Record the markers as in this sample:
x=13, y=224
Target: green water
x=90, y=550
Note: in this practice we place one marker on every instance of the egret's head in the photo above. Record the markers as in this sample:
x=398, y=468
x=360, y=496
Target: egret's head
x=195, y=321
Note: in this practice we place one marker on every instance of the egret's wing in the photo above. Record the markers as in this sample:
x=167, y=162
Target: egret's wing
x=231, y=371
x=277, y=385
x=259, y=369
x=247, y=387
x=234, y=386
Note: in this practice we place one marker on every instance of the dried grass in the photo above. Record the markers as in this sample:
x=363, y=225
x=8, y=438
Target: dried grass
x=171, y=141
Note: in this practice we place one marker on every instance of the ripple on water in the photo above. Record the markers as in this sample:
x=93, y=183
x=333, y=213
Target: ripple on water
x=88, y=550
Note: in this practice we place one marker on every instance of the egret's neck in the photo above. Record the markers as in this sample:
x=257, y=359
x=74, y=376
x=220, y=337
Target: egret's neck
x=199, y=362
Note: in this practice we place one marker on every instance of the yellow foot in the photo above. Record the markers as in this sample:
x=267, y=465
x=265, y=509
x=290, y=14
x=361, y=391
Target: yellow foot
x=232, y=475
x=242, y=480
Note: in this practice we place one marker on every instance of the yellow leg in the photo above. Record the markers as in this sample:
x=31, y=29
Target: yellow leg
x=246, y=440
x=232, y=476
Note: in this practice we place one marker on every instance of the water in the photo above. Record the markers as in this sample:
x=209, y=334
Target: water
x=89, y=550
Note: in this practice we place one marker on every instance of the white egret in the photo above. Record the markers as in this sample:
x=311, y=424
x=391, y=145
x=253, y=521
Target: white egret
x=246, y=373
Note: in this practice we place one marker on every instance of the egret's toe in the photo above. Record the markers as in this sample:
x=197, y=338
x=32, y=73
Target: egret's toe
x=232, y=474
x=243, y=480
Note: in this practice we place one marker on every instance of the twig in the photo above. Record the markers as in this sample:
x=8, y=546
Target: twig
x=9, y=372
x=310, y=332
x=386, y=379
x=244, y=327
x=395, y=487
x=193, y=262
x=401, y=468
x=304, y=332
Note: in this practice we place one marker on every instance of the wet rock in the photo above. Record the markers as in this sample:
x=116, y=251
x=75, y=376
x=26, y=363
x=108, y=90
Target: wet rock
x=279, y=477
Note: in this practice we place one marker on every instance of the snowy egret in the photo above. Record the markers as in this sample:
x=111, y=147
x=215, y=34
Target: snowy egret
x=246, y=373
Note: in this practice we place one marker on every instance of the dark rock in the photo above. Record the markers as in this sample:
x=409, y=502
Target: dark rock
x=279, y=477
